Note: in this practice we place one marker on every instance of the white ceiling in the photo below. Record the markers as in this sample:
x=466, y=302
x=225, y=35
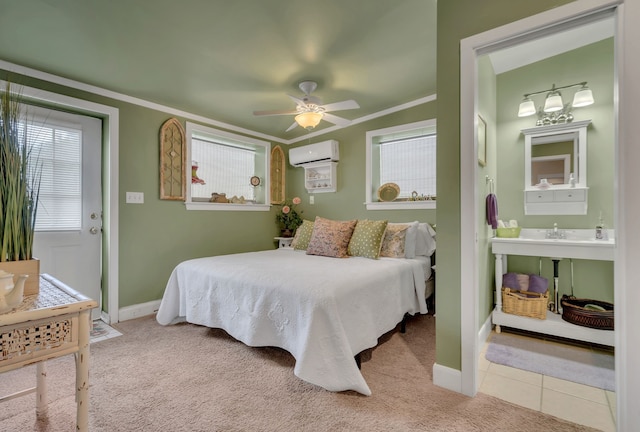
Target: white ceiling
x=547, y=46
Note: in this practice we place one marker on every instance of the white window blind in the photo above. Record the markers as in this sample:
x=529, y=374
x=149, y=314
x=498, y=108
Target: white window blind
x=58, y=149
x=224, y=168
x=410, y=163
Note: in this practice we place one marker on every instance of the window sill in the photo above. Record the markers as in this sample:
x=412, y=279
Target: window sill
x=226, y=206
x=401, y=205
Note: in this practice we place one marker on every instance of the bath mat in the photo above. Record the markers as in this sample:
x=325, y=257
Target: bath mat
x=101, y=331
x=581, y=365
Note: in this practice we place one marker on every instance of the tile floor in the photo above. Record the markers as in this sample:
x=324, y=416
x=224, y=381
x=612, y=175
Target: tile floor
x=567, y=400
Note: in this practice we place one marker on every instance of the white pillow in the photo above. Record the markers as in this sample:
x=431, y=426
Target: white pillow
x=426, y=241
x=411, y=238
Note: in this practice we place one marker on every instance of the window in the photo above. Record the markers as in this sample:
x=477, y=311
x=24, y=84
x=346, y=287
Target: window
x=404, y=155
x=222, y=163
x=56, y=146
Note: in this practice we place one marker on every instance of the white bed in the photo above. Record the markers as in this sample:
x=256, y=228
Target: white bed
x=322, y=310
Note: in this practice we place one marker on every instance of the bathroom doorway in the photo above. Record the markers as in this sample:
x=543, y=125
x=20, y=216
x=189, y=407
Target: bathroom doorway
x=476, y=247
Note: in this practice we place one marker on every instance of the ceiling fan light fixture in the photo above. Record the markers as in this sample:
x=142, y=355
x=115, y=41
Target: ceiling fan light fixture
x=308, y=120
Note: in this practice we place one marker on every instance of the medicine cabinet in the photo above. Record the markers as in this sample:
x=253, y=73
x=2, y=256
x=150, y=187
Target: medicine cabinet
x=555, y=171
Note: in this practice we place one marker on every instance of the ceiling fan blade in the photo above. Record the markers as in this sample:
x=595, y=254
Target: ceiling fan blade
x=274, y=112
x=293, y=126
x=335, y=119
x=344, y=105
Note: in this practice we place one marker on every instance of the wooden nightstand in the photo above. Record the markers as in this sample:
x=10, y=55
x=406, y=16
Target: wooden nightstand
x=284, y=242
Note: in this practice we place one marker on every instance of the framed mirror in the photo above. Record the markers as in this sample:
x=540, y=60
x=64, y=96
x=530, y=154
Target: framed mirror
x=555, y=171
x=554, y=153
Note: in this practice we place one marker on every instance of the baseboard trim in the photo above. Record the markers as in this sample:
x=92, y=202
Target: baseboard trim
x=447, y=377
x=485, y=332
x=139, y=310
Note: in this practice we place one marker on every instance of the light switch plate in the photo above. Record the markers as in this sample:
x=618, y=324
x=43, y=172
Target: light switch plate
x=135, y=198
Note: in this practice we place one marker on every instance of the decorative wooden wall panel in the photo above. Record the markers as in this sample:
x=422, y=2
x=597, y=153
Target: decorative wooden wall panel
x=277, y=176
x=172, y=161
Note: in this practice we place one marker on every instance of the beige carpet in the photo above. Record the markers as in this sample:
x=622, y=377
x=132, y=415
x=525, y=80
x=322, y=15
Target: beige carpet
x=190, y=378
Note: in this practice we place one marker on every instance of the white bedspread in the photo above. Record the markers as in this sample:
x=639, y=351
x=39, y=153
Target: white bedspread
x=322, y=310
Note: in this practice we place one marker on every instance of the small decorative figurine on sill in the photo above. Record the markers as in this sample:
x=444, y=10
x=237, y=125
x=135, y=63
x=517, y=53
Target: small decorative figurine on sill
x=194, y=175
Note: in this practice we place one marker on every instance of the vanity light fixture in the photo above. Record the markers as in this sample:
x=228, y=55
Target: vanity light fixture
x=583, y=97
x=553, y=101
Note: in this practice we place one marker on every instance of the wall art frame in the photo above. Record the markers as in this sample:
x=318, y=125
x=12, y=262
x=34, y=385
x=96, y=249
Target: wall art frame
x=172, y=161
x=277, y=175
x=482, y=141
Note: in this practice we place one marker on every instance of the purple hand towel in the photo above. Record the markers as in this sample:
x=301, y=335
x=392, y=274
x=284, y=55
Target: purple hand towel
x=492, y=210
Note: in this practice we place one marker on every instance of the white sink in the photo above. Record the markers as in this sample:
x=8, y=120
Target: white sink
x=578, y=243
x=570, y=235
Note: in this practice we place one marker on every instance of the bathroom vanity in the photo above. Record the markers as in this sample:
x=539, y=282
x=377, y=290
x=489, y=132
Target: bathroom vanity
x=578, y=244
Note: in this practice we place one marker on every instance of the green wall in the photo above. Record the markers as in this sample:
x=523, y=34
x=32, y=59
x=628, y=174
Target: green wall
x=487, y=183
x=458, y=19
x=592, y=63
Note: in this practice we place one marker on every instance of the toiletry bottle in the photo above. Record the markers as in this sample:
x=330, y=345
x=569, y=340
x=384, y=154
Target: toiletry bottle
x=601, y=231
x=572, y=180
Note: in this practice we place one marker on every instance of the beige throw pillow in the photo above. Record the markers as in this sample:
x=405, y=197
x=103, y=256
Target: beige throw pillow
x=330, y=238
x=394, y=240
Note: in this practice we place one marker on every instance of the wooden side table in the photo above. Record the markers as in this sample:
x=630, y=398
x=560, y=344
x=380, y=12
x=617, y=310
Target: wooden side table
x=50, y=324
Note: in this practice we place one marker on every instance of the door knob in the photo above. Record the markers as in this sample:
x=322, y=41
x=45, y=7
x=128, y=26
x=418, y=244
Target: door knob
x=93, y=230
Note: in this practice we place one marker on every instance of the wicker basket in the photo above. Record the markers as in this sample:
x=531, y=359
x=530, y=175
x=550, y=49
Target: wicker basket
x=525, y=303
x=574, y=311
x=508, y=232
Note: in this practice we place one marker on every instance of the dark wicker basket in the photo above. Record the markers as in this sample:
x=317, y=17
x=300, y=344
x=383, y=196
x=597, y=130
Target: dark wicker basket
x=574, y=311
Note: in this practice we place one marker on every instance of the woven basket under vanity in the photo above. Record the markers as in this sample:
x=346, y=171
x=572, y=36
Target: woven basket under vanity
x=575, y=312
x=525, y=303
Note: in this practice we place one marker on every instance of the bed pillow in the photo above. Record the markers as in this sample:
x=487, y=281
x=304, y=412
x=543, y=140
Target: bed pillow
x=303, y=235
x=394, y=241
x=426, y=240
x=411, y=238
x=330, y=238
x=367, y=238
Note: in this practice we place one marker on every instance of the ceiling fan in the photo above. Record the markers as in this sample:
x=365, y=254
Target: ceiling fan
x=310, y=110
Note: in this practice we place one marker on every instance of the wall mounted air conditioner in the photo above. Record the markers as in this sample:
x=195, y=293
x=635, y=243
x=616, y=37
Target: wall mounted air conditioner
x=326, y=151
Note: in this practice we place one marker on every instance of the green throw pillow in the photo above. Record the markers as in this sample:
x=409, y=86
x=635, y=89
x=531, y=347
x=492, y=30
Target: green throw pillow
x=303, y=235
x=367, y=238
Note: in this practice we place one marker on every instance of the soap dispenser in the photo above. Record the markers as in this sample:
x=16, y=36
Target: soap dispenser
x=601, y=230
x=572, y=180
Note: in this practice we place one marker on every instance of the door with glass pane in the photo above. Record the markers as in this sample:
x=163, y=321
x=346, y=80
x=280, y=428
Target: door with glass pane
x=68, y=234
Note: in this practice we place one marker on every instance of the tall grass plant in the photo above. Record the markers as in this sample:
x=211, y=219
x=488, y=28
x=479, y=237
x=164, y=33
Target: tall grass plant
x=20, y=172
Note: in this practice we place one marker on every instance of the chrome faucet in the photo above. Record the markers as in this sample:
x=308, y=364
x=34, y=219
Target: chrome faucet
x=555, y=233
